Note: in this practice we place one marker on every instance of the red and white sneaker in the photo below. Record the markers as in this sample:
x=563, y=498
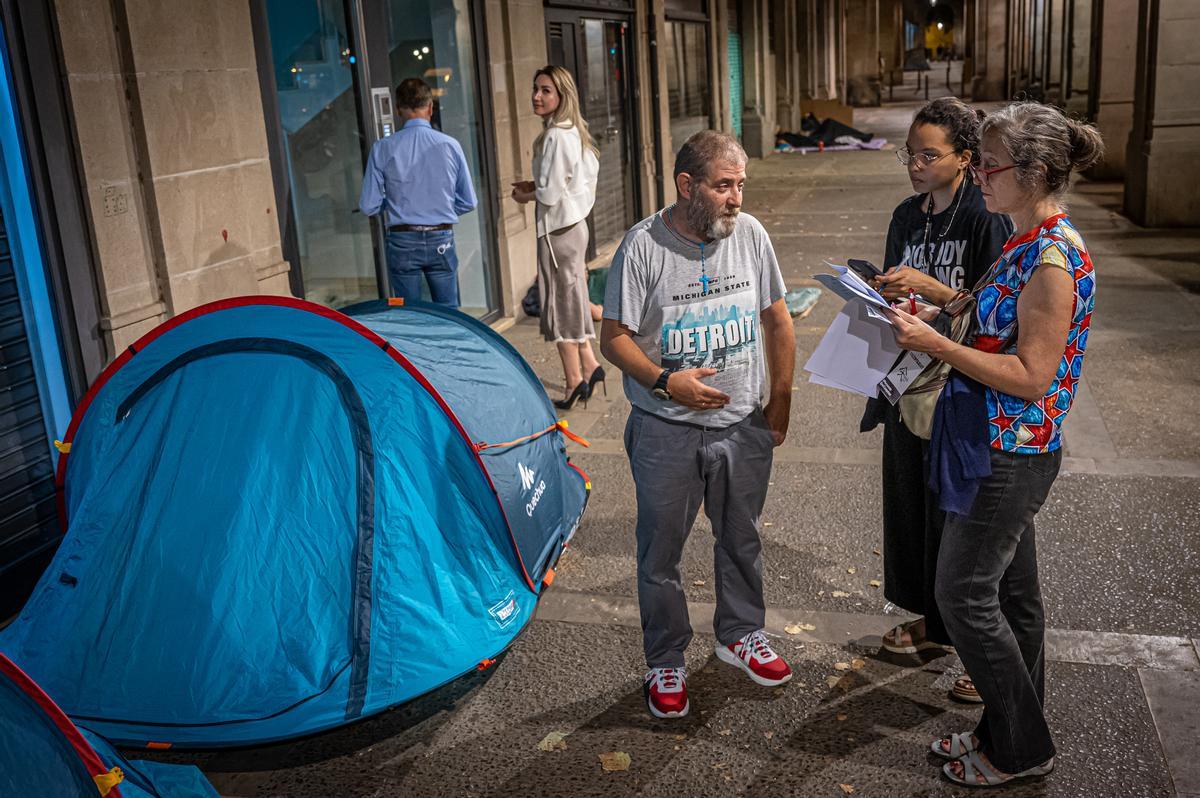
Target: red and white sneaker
x=754, y=655
x=666, y=692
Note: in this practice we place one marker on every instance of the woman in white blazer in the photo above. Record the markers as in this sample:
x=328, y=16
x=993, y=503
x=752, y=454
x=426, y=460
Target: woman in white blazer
x=564, y=187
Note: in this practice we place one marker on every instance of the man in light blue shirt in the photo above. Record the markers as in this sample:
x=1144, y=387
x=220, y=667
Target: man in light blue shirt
x=418, y=177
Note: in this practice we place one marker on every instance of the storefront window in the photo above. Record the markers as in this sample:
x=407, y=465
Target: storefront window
x=686, y=54
x=433, y=40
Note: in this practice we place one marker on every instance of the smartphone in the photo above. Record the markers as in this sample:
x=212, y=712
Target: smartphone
x=864, y=269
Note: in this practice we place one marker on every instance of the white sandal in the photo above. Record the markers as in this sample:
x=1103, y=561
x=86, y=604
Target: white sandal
x=959, y=745
x=974, y=766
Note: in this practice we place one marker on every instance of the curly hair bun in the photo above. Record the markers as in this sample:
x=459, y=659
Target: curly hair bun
x=1087, y=146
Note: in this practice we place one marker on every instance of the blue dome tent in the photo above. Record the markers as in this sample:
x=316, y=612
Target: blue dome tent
x=282, y=518
x=43, y=753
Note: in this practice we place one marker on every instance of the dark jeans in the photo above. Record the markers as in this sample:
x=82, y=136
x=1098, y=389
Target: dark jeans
x=912, y=526
x=991, y=602
x=412, y=255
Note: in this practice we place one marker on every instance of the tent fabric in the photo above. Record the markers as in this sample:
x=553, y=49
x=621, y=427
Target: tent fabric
x=43, y=753
x=281, y=518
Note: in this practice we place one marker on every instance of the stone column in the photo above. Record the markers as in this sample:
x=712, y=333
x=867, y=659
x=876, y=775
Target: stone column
x=1163, y=158
x=1113, y=83
x=787, y=76
x=990, y=79
x=516, y=33
x=862, y=52
x=891, y=39
x=173, y=149
x=758, y=117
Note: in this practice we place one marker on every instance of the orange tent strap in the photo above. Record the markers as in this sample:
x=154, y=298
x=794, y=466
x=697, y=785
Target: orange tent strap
x=561, y=426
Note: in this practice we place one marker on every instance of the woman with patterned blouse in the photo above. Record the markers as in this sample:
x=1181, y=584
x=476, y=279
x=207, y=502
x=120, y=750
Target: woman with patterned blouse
x=998, y=434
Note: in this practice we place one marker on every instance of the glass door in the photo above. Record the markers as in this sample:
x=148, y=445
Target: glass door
x=435, y=40
x=316, y=85
x=596, y=51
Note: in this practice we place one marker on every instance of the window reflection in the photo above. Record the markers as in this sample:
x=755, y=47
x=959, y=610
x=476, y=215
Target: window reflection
x=315, y=79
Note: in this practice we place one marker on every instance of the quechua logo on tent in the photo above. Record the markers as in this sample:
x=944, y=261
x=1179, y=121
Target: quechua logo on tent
x=528, y=476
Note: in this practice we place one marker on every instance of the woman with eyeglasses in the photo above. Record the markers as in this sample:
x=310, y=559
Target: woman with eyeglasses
x=997, y=434
x=940, y=242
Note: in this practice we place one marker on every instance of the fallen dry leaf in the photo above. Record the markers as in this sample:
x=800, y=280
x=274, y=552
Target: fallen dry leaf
x=857, y=663
x=680, y=736
x=841, y=666
x=792, y=629
x=698, y=583
x=842, y=716
x=832, y=681
x=807, y=627
x=847, y=788
x=614, y=761
x=725, y=732
x=840, y=594
x=554, y=741
x=851, y=570
x=875, y=583
x=720, y=765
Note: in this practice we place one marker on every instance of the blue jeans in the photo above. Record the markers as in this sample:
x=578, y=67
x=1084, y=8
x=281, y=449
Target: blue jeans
x=412, y=254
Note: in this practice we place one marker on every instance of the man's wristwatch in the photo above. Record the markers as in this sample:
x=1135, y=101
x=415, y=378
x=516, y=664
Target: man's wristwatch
x=660, y=388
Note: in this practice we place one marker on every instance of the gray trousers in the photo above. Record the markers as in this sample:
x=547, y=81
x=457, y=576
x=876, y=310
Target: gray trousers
x=675, y=468
x=987, y=589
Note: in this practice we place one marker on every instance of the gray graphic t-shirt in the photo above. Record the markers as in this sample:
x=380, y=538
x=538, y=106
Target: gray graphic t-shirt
x=684, y=317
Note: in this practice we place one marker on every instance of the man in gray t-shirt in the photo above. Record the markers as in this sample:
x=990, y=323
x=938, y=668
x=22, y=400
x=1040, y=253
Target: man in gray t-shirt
x=694, y=317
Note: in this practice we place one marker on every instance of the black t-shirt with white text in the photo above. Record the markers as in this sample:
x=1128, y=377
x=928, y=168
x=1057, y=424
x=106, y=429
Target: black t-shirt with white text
x=962, y=244
x=973, y=240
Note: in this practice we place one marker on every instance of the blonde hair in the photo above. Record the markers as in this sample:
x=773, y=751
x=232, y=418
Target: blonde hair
x=568, y=113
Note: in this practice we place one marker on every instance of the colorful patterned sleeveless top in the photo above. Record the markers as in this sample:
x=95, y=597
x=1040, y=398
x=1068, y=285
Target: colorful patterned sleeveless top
x=1014, y=424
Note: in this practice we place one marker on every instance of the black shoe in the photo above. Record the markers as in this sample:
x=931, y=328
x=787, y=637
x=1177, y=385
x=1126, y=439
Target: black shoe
x=597, y=377
x=579, y=394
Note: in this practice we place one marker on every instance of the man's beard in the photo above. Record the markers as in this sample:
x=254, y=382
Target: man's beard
x=711, y=221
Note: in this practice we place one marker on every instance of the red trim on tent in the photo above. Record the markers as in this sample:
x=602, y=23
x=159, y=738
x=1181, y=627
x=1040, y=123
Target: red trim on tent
x=87, y=754
x=296, y=304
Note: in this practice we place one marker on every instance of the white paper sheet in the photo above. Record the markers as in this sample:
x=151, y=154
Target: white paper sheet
x=856, y=352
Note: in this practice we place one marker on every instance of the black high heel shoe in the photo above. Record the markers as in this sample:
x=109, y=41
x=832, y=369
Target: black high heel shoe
x=597, y=377
x=580, y=393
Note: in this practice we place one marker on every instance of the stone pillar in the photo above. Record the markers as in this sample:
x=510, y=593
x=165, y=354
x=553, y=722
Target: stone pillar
x=990, y=79
x=788, y=87
x=758, y=60
x=649, y=28
x=174, y=157
x=1163, y=158
x=1113, y=83
x=891, y=39
x=862, y=52
x=516, y=34
x=1080, y=57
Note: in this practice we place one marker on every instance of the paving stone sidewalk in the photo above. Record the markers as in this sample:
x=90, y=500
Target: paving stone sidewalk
x=1120, y=558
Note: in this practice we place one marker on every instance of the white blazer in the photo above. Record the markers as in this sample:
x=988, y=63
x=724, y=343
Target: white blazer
x=564, y=174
